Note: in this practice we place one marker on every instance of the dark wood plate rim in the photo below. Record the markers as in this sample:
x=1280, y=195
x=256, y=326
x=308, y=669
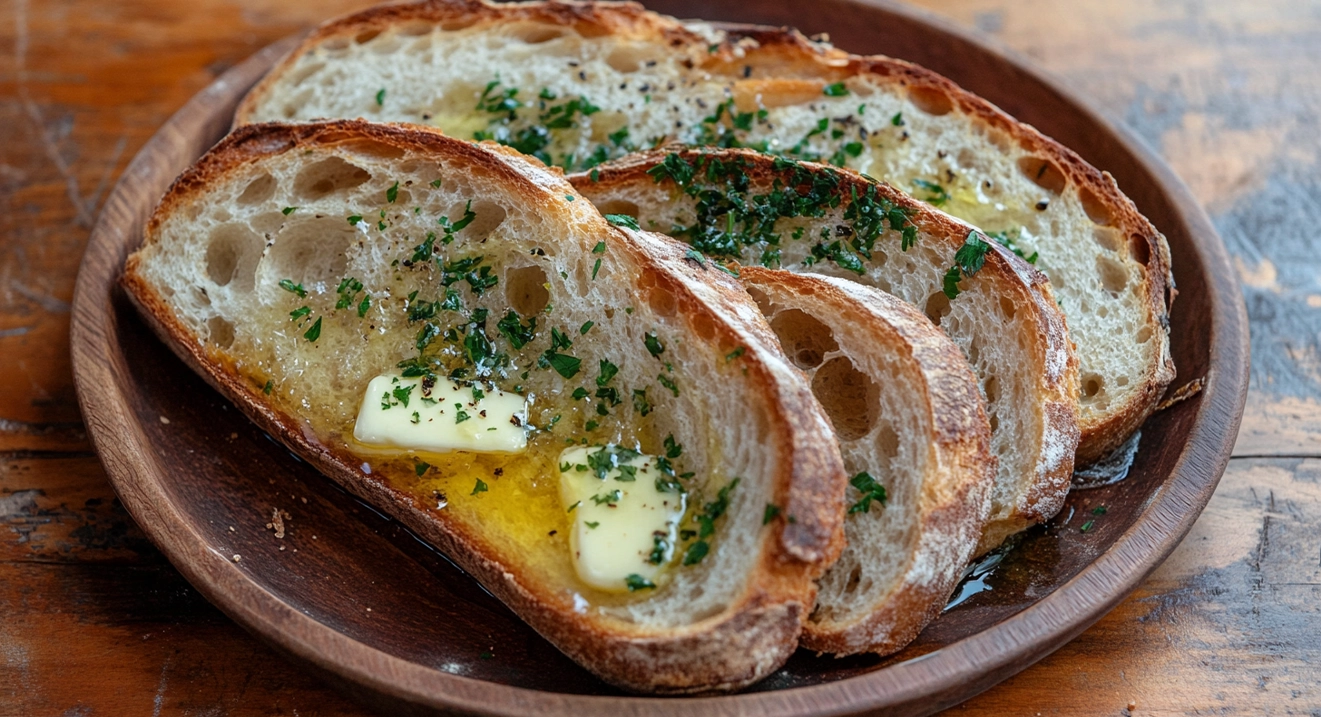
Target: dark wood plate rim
x=917, y=686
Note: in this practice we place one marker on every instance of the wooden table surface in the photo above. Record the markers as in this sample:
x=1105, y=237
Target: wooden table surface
x=94, y=621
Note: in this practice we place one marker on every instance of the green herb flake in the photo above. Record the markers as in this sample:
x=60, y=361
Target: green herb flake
x=620, y=220
x=665, y=381
x=480, y=487
x=735, y=354
x=587, y=326
x=637, y=582
x=1087, y=526
x=288, y=210
x=402, y=393
x=835, y=90
x=871, y=491
x=596, y=268
x=772, y=510
x=898, y=119
x=591, y=524
x=354, y=219
x=380, y=97
x=608, y=372
x=289, y=286
x=1099, y=510
x=421, y=467
x=270, y=385
x=640, y=402
x=654, y=345
x=672, y=447
x=392, y=193
x=935, y=194
x=314, y=333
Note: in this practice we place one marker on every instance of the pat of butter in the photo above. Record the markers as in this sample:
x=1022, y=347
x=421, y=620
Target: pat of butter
x=624, y=528
x=400, y=412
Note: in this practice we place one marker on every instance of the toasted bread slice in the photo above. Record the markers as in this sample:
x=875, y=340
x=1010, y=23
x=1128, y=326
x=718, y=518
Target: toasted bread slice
x=910, y=420
x=372, y=231
x=577, y=83
x=756, y=209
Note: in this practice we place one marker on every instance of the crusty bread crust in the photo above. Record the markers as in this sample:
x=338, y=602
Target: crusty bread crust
x=731, y=649
x=954, y=489
x=754, y=52
x=1011, y=277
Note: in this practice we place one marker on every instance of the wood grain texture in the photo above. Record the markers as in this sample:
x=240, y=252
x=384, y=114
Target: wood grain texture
x=1228, y=94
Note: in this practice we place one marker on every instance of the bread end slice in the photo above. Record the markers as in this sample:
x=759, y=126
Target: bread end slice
x=906, y=410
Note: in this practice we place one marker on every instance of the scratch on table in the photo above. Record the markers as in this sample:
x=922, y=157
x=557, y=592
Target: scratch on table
x=45, y=301
x=159, y=701
x=83, y=212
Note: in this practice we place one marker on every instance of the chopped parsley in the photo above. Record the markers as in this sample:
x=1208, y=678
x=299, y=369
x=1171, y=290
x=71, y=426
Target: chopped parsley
x=665, y=381
x=392, y=193
x=706, y=524
x=270, y=384
x=871, y=491
x=935, y=195
x=288, y=210
x=653, y=343
x=587, y=326
x=380, y=97
x=637, y=582
x=402, y=393
x=622, y=220
x=836, y=89
x=640, y=402
x=672, y=448
x=460, y=415
x=968, y=260
x=772, y=510
x=480, y=487
x=314, y=333
x=735, y=354
x=289, y=286
x=421, y=467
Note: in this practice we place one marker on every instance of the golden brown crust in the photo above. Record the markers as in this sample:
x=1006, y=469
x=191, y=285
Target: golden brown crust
x=955, y=493
x=1011, y=277
x=785, y=53
x=736, y=647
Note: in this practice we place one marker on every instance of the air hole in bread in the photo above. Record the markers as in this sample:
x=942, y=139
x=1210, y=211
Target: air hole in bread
x=887, y=439
x=327, y=177
x=366, y=36
x=619, y=206
x=487, y=216
x=1096, y=210
x=1144, y=334
x=763, y=301
x=994, y=422
x=257, y=191
x=703, y=327
x=336, y=45
x=386, y=44
x=630, y=58
x=991, y=387
x=805, y=339
x=537, y=33
x=455, y=25
x=414, y=29
x=220, y=331
x=311, y=252
x=373, y=149
x=855, y=579
x=525, y=289
x=848, y=396
x=937, y=307
x=662, y=302
x=232, y=255
x=1092, y=385
x=1007, y=308
x=1107, y=239
x=1114, y=275
x=1043, y=173
x=1121, y=381
x=931, y=100
x=1140, y=249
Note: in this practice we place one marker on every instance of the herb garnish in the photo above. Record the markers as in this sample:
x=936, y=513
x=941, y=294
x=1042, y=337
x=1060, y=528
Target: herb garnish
x=637, y=582
x=706, y=524
x=622, y=220
x=479, y=488
x=871, y=490
x=968, y=260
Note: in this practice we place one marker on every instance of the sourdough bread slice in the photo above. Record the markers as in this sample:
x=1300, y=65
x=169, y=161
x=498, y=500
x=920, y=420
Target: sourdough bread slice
x=752, y=208
x=294, y=263
x=909, y=419
x=577, y=83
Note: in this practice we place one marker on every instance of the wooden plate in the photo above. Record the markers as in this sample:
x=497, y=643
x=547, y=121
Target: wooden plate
x=354, y=596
